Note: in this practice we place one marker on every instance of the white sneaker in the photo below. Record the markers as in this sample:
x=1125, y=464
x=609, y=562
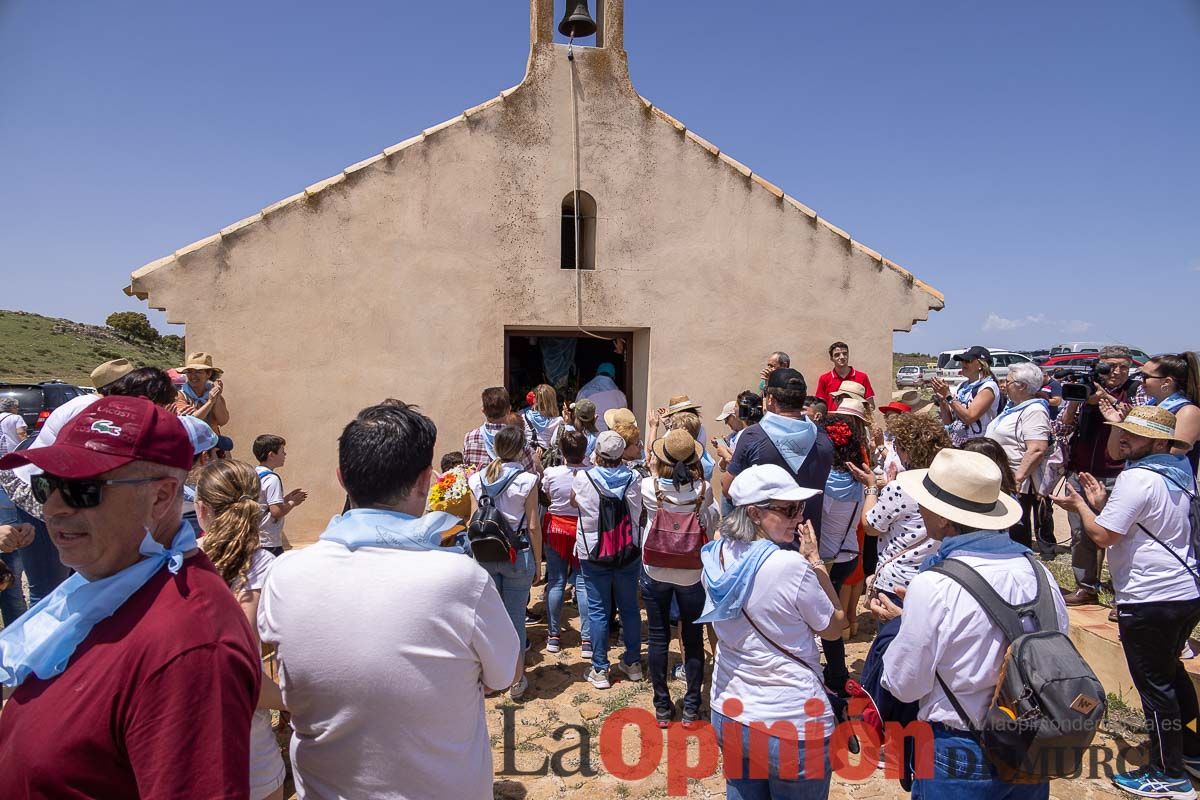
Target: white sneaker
x=632, y=671
x=598, y=678
x=517, y=691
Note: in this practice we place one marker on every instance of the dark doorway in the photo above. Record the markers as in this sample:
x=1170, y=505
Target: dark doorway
x=566, y=360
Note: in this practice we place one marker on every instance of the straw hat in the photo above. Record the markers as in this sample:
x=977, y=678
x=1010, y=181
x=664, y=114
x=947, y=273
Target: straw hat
x=680, y=402
x=110, y=371
x=201, y=361
x=851, y=407
x=851, y=389
x=619, y=416
x=1152, y=422
x=678, y=445
x=963, y=487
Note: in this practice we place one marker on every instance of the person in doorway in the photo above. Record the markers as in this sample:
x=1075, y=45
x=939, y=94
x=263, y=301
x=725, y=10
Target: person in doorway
x=513, y=491
x=786, y=438
x=12, y=425
x=543, y=417
x=829, y=383
x=478, y=450
x=138, y=675
x=604, y=393
x=204, y=392
x=1023, y=430
x=1144, y=526
x=609, y=575
x=560, y=526
x=271, y=452
x=947, y=654
x=387, y=637
x=976, y=401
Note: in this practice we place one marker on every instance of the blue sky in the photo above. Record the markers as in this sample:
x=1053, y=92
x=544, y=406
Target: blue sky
x=1036, y=161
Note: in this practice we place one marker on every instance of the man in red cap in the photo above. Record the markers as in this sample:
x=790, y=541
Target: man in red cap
x=138, y=675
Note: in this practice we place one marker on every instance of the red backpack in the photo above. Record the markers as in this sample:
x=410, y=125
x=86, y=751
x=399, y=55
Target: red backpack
x=674, y=538
x=615, y=546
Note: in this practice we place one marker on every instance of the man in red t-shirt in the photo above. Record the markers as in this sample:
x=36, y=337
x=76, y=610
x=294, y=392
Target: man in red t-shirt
x=830, y=382
x=156, y=699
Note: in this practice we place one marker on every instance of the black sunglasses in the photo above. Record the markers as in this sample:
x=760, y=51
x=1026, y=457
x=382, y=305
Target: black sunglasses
x=78, y=493
x=787, y=510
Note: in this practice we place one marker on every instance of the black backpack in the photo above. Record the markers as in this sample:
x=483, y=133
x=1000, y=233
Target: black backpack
x=615, y=545
x=490, y=537
x=1193, y=521
x=1048, y=702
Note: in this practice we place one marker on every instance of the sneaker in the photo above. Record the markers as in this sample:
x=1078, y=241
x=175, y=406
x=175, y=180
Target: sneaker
x=1150, y=782
x=679, y=673
x=690, y=718
x=517, y=691
x=585, y=650
x=1192, y=765
x=632, y=671
x=532, y=618
x=598, y=678
x=553, y=644
x=663, y=718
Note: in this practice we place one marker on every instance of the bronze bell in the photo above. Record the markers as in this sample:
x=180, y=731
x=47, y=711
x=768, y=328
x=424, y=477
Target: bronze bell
x=577, y=22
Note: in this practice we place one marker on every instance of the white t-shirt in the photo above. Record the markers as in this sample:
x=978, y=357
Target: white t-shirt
x=588, y=502
x=544, y=438
x=945, y=631
x=558, y=483
x=510, y=503
x=839, y=529
x=54, y=423
x=1142, y=569
x=1013, y=430
x=260, y=564
x=10, y=423
x=678, y=500
x=383, y=656
x=270, y=531
x=903, y=541
x=789, y=605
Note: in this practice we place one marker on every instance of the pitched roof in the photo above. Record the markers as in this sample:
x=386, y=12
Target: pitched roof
x=712, y=149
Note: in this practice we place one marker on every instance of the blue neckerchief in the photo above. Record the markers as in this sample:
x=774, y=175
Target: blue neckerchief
x=592, y=436
x=967, y=391
x=1025, y=404
x=841, y=485
x=1172, y=403
x=611, y=478
x=539, y=423
x=792, y=437
x=1176, y=469
x=506, y=470
x=726, y=588
x=42, y=641
x=377, y=527
x=198, y=399
x=489, y=438
x=707, y=465
x=976, y=542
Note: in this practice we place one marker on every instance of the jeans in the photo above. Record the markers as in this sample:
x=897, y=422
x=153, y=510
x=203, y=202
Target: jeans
x=558, y=572
x=513, y=581
x=603, y=585
x=960, y=772
x=836, y=673
x=657, y=597
x=740, y=786
x=39, y=561
x=1085, y=555
x=1152, y=635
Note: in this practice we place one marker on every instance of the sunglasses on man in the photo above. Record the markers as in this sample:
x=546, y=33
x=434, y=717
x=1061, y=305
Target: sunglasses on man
x=78, y=492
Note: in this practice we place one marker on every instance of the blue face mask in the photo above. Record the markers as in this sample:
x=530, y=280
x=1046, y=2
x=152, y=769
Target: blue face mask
x=43, y=640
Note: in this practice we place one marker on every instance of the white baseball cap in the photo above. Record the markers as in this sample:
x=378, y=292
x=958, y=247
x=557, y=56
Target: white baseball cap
x=727, y=411
x=610, y=444
x=764, y=482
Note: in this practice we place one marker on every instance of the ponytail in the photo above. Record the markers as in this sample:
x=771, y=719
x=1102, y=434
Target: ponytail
x=1184, y=369
x=229, y=490
x=492, y=473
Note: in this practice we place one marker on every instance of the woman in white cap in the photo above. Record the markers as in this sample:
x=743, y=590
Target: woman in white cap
x=680, y=519
x=975, y=402
x=767, y=605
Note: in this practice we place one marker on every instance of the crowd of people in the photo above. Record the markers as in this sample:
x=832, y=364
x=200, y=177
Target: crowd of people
x=158, y=571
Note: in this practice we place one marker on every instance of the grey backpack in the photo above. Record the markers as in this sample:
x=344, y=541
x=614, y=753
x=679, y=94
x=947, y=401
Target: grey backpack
x=1048, y=702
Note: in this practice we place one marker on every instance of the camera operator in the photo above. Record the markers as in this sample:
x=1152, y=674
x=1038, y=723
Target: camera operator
x=1083, y=422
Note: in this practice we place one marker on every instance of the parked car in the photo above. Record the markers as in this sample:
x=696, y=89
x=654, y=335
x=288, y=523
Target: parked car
x=39, y=399
x=1087, y=360
x=913, y=375
x=1076, y=347
x=949, y=370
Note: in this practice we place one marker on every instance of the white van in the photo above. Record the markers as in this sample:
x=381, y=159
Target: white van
x=1075, y=347
x=950, y=370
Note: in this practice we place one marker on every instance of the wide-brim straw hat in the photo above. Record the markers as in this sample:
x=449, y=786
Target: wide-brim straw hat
x=1152, y=422
x=680, y=402
x=619, y=416
x=851, y=389
x=851, y=407
x=678, y=445
x=110, y=371
x=201, y=361
x=963, y=487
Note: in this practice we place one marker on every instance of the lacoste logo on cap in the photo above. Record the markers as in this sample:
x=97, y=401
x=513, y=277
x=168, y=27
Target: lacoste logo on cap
x=105, y=426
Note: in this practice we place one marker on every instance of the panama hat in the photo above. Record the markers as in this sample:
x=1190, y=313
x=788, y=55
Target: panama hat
x=619, y=416
x=963, y=487
x=680, y=402
x=1152, y=422
x=201, y=361
x=851, y=406
x=851, y=389
x=110, y=371
x=678, y=445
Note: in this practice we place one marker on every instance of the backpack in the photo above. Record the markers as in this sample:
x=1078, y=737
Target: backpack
x=490, y=536
x=615, y=546
x=1048, y=702
x=552, y=456
x=1193, y=521
x=674, y=538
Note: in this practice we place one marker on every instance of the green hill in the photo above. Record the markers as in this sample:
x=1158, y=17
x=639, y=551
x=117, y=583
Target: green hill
x=34, y=348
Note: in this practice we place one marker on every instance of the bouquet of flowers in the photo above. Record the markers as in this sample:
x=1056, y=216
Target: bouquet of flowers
x=449, y=491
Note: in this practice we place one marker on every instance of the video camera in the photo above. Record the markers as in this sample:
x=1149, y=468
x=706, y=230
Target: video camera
x=1079, y=386
x=750, y=408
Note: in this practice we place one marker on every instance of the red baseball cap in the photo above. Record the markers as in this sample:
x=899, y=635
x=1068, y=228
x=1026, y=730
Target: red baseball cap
x=111, y=433
x=896, y=407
